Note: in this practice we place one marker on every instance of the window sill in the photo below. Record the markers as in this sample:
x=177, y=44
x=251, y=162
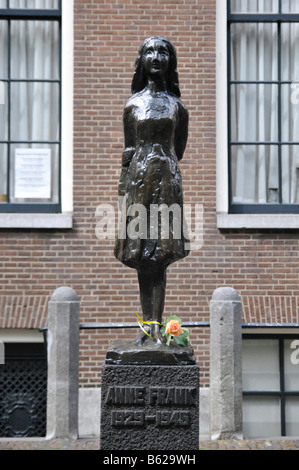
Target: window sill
x=37, y=221
x=257, y=221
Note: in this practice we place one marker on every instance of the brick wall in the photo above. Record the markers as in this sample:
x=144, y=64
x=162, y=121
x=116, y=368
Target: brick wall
x=262, y=266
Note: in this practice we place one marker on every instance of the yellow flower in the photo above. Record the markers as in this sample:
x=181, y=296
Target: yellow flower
x=173, y=328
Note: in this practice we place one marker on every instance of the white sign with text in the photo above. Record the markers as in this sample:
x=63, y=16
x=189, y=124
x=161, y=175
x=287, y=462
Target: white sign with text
x=32, y=173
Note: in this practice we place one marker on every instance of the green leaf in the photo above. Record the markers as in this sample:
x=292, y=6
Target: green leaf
x=187, y=333
x=183, y=339
x=174, y=317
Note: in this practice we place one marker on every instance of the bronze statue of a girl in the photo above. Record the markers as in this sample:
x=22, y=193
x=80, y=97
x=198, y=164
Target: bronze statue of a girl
x=155, y=133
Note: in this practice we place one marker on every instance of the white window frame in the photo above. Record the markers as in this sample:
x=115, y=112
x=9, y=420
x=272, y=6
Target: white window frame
x=63, y=220
x=225, y=220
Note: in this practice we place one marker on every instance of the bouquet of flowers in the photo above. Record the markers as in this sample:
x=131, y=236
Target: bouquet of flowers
x=172, y=329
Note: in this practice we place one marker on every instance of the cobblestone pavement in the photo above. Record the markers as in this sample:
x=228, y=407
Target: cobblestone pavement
x=94, y=444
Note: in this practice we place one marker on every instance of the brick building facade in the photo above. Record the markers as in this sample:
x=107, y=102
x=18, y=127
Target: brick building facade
x=260, y=262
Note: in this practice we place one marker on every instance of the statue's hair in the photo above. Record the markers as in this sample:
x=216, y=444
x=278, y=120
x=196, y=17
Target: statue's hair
x=140, y=79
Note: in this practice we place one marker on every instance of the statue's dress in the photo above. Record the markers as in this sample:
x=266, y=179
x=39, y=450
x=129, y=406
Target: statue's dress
x=153, y=231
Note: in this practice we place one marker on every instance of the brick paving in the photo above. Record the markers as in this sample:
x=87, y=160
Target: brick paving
x=94, y=444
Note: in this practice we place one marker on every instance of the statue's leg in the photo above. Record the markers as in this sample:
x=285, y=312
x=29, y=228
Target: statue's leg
x=145, y=280
x=152, y=286
x=159, y=288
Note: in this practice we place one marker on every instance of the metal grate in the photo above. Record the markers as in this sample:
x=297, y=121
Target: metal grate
x=23, y=396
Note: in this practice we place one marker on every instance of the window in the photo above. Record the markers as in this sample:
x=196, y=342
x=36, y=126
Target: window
x=263, y=66
x=30, y=140
x=270, y=386
x=256, y=104
x=35, y=143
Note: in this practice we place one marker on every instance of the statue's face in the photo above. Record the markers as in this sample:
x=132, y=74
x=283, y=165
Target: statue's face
x=156, y=58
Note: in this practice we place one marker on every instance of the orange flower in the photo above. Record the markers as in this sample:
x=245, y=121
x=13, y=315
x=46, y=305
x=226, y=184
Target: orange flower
x=173, y=328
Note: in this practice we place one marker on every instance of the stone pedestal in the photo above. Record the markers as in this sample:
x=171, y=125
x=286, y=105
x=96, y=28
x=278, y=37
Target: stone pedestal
x=150, y=407
x=126, y=353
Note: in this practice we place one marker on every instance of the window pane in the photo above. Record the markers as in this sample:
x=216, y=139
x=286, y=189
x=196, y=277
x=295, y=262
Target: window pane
x=34, y=4
x=3, y=111
x=34, y=173
x=261, y=365
x=3, y=50
x=292, y=416
x=290, y=51
x=290, y=112
x=35, y=49
x=34, y=111
x=253, y=51
x=254, y=174
x=290, y=174
x=2, y=3
x=254, y=6
x=261, y=417
x=254, y=110
x=291, y=365
x=3, y=173
x=290, y=6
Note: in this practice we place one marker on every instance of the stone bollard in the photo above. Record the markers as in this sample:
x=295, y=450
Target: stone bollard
x=63, y=364
x=225, y=364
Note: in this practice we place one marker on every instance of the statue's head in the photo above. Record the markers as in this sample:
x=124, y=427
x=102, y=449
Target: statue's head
x=140, y=77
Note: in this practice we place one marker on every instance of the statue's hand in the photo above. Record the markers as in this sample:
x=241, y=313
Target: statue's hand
x=127, y=155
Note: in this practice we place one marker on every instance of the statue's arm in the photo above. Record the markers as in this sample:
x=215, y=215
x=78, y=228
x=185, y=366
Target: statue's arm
x=129, y=136
x=129, y=150
x=181, y=131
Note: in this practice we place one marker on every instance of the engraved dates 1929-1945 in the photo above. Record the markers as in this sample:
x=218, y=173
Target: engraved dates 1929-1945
x=158, y=418
x=153, y=398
